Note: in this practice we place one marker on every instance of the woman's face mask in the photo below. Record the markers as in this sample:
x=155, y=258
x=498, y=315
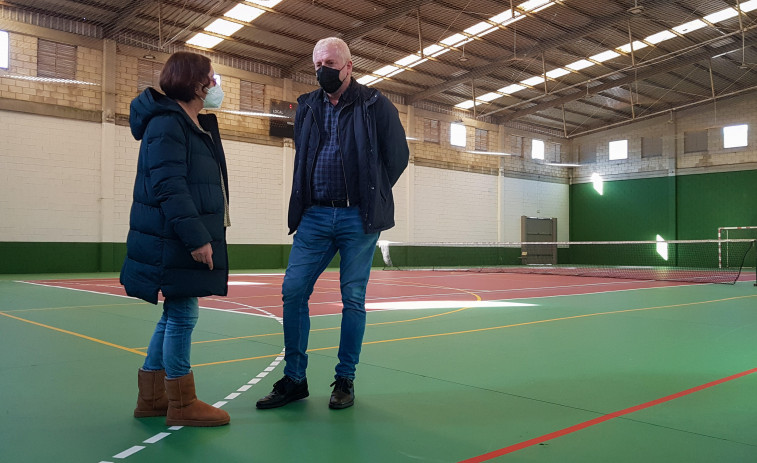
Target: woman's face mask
x=213, y=98
x=328, y=78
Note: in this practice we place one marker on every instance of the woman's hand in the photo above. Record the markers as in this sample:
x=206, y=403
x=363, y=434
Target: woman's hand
x=204, y=254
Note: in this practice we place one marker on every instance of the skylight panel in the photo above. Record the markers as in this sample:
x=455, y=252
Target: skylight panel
x=465, y=104
x=580, y=64
x=559, y=72
x=637, y=45
x=481, y=27
x=692, y=25
x=265, y=3
x=243, y=12
x=223, y=27
x=489, y=96
x=431, y=49
x=659, y=37
x=721, y=15
x=502, y=17
x=748, y=6
x=204, y=40
x=511, y=89
x=531, y=81
x=385, y=70
x=531, y=5
x=367, y=79
x=453, y=40
x=408, y=60
x=604, y=56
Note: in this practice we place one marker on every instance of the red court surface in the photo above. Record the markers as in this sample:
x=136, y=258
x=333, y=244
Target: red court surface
x=388, y=289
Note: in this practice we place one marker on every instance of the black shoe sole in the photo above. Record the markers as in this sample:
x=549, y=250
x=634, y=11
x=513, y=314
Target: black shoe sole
x=341, y=406
x=267, y=405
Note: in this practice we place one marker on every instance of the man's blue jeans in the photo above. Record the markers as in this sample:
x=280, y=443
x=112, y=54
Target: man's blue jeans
x=322, y=232
x=171, y=342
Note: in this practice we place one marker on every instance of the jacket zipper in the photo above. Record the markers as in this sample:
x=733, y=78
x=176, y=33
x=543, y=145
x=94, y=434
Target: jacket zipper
x=341, y=155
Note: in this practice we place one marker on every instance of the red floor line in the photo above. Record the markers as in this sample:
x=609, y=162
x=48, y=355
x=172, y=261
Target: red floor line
x=601, y=419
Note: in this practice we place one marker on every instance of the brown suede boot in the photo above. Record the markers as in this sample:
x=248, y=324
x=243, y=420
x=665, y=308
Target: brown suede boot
x=151, y=400
x=185, y=410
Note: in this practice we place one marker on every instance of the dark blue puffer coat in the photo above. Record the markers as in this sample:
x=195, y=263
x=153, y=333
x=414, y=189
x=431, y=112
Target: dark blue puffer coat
x=178, y=203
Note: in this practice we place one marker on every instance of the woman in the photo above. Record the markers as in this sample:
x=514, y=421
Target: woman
x=176, y=243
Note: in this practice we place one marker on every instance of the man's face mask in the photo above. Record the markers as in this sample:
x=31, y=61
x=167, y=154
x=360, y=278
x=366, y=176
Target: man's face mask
x=328, y=78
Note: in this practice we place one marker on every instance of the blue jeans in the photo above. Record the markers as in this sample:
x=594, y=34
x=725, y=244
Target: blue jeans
x=171, y=342
x=322, y=232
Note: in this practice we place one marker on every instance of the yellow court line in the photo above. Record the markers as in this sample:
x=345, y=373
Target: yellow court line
x=71, y=307
x=478, y=330
x=89, y=338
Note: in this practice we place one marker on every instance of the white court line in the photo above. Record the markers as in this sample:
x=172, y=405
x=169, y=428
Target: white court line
x=157, y=437
x=128, y=452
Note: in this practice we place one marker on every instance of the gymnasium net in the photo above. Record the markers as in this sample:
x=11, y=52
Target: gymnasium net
x=695, y=261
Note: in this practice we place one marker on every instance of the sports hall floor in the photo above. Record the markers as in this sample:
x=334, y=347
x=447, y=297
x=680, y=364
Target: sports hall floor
x=456, y=367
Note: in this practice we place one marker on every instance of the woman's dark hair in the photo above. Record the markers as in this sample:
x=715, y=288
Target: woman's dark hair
x=182, y=72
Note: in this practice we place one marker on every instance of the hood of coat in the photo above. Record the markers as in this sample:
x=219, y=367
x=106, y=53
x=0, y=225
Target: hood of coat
x=147, y=105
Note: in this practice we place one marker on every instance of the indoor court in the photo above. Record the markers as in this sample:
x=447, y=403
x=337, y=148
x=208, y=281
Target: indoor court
x=456, y=367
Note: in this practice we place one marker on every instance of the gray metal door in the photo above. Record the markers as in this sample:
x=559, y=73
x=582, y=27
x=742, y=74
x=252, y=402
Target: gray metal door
x=538, y=230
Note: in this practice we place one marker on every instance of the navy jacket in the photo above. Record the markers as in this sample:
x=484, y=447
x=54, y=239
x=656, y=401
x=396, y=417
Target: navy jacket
x=369, y=128
x=178, y=203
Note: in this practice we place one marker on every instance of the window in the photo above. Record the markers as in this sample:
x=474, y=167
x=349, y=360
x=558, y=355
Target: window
x=587, y=154
x=482, y=140
x=56, y=60
x=148, y=74
x=735, y=136
x=4, y=50
x=252, y=96
x=651, y=147
x=431, y=130
x=695, y=141
x=618, y=150
x=537, y=149
x=457, y=134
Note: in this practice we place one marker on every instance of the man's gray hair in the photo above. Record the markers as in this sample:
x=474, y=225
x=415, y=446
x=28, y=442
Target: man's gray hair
x=343, y=50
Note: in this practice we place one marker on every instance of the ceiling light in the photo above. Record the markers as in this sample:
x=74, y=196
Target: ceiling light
x=692, y=26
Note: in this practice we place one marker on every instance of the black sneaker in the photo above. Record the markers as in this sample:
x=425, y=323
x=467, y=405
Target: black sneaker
x=343, y=395
x=284, y=391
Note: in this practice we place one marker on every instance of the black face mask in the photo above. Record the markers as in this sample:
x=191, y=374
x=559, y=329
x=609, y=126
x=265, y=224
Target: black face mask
x=328, y=78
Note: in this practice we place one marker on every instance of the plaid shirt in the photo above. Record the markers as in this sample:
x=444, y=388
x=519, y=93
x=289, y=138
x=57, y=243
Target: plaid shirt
x=328, y=175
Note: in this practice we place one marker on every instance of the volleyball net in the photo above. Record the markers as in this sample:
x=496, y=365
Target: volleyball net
x=696, y=261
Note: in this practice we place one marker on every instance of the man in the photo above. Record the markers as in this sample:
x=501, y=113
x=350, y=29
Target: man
x=350, y=149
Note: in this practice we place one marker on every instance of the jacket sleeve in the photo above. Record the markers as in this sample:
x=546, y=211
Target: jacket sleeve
x=393, y=150
x=167, y=157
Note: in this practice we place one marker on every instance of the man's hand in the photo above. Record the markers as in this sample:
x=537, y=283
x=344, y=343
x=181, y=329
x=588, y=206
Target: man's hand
x=204, y=254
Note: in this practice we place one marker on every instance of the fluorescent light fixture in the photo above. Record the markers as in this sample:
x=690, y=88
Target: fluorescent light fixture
x=502, y=17
x=465, y=104
x=223, y=27
x=721, y=15
x=489, y=96
x=412, y=139
x=252, y=113
x=489, y=153
x=748, y=6
x=604, y=56
x=598, y=183
x=559, y=72
x=662, y=247
x=453, y=39
x=511, y=89
x=659, y=37
x=204, y=40
x=408, y=60
x=480, y=28
x=690, y=26
x=580, y=64
x=532, y=81
x=4, y=50
x=561, y=164
x=385, y=70
x=243, y=12
x=49, y=80
x=637, y=45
